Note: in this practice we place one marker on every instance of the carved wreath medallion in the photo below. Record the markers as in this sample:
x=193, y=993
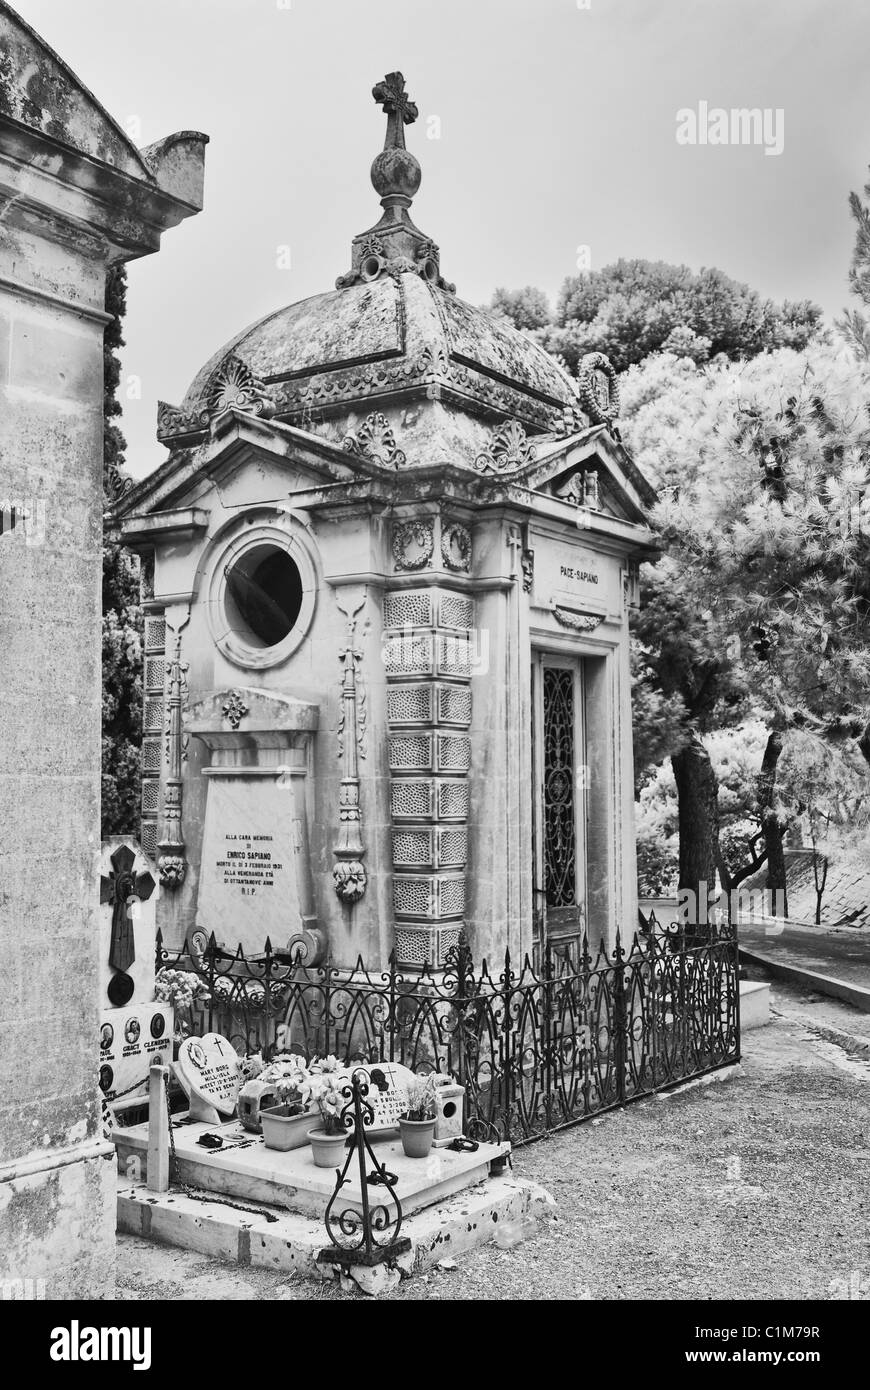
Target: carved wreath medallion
x=413, y=545
x=456, y=546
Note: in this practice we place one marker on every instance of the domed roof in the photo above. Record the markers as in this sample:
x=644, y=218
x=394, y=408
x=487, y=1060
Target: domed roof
x=392, y=327
x=391, y=334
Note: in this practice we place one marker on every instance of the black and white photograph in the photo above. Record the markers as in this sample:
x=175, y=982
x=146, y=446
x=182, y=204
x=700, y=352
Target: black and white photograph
x=435, y=670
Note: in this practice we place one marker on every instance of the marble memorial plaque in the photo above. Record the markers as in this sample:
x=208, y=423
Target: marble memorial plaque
x=248, y=882
x=208, y=1067
x=130, y=1040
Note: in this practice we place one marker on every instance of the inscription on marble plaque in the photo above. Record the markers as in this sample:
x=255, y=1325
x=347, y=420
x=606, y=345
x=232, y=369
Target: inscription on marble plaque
x=248, y=862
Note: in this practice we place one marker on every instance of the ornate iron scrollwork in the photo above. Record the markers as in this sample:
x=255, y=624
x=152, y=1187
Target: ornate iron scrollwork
x=369, y=1236
x=560, y=869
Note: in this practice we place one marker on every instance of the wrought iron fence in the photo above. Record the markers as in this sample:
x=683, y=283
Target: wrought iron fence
x=535, y=1049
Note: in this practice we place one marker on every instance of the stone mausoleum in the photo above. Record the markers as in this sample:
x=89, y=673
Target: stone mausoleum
x=387, y=571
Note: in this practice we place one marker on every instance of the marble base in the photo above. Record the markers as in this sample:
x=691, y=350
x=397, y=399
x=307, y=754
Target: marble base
x=248, y=1171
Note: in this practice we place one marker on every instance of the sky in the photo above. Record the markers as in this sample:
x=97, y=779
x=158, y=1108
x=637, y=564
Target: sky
x=545, y=126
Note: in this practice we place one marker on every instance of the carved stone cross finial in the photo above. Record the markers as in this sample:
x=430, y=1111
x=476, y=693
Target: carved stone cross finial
x=118, y=887
x=400, y=109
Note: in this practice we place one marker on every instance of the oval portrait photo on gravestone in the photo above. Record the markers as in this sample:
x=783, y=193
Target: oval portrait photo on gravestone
x=132, y=1030
x=158, y=1026
x=107, y=1076
x=107, y=1037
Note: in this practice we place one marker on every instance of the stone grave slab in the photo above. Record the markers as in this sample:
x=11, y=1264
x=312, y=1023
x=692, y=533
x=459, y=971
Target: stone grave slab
x=245, y=1169
x=208, y=1070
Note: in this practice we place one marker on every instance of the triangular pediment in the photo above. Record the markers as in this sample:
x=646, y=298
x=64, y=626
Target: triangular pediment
x=280, y=455
x=590, y=469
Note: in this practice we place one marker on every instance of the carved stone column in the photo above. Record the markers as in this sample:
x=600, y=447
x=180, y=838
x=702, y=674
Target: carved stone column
x=172, y=863
x=428, y=654
x=349, y=875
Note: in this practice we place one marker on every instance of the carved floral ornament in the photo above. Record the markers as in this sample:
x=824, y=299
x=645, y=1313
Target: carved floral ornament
x=234, y=387
x=234, y=709
x=349, y=880
x=376, y=441
x=509, y=448
x=577, y=622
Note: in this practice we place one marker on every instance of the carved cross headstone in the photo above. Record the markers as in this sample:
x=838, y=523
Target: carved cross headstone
x=121, y=887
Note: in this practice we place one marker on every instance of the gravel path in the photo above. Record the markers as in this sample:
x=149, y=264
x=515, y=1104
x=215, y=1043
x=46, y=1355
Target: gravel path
x=751, y=1188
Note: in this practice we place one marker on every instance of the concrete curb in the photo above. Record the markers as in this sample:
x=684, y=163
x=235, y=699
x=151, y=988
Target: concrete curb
x=856, y=995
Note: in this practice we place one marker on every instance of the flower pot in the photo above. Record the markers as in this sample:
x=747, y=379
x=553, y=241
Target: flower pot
x=417, y=1136
x=327, y=1148
x=282, y=1130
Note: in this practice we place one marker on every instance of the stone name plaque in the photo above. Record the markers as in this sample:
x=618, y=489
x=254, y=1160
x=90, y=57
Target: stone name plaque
x=208, y=1067
x=575, y=576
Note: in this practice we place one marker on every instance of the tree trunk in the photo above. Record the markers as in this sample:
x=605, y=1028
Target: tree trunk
x=698, y=805
x=772, y=827
x=820, y=879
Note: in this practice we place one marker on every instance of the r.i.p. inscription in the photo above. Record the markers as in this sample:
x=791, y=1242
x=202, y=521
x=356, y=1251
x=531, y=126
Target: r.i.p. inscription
x=248, y=862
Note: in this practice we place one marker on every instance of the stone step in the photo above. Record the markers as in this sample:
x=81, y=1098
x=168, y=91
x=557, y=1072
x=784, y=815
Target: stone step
x=290, y=1242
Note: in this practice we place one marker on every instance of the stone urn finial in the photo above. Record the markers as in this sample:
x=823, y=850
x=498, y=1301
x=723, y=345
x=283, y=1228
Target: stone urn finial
x=396, y=173
x=394, y=246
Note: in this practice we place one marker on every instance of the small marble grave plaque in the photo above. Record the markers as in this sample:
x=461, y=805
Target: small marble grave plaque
x=208, y=1068
x=388, y=1092
x=130, y=1040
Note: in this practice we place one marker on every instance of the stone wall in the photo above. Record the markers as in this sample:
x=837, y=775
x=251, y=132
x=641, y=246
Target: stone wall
x=75, y=195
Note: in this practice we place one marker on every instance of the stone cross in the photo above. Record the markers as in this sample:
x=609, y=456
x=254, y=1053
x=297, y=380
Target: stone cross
x=118, y=888
x=400, y=109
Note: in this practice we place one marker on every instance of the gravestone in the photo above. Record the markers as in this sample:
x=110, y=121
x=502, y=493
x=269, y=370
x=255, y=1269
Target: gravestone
x=134, y=1030
x=208, y=1070
x=131, y=1039
x=388, y=1084
x=255, y=877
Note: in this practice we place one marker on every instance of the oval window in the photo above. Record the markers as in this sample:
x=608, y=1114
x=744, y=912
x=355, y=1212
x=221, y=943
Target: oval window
x=263, y=595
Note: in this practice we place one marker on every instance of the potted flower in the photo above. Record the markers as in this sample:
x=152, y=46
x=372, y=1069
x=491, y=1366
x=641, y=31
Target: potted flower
x=330, y=1137
x=285, y=1125
x=417, y=1123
